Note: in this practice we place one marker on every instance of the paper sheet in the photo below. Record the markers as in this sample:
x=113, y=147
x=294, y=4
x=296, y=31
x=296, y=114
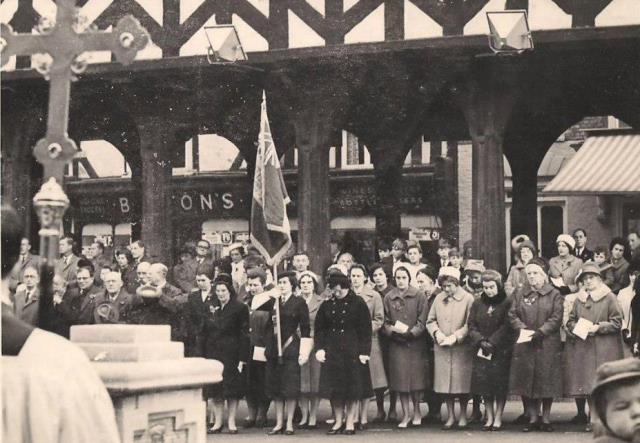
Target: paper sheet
x=399, y=327
x=481, y=354
x=525, y=335
x=258, y=354
x=582, y=327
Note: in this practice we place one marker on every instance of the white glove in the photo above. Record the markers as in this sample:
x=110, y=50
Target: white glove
x=321, y=356
x=302, y=360
x=448, y=341
x=240, y=366
x=364, y=359
x=439, y=337
x=57, y=299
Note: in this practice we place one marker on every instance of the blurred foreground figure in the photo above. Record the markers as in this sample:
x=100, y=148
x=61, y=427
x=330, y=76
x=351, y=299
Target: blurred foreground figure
x=46, y=398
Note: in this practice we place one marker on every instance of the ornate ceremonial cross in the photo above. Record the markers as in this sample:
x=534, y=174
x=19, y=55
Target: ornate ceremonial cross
x=65, y=44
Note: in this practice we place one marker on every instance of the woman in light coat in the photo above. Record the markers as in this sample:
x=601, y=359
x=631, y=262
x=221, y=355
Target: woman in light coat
x=596, y=303
x=405, y=309
x=447, y=324
x=536, y=365
x=358, y=277
x=565, y=266
x=517, y=277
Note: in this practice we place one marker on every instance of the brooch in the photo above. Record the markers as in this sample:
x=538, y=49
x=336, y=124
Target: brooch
x=490, y=310
x=213, y=309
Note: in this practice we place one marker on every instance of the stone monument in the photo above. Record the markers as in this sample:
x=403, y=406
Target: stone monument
x=156, y=391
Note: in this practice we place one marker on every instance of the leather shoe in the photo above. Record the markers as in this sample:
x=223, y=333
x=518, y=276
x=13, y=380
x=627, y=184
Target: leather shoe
x=233, y=431
x=335, y=431
x=350, y=432
x=214, y=431
x=289, y=432
x=276, y=431
x=546, y=427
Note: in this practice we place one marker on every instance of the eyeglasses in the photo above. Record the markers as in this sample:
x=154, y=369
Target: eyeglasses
x=203, y=247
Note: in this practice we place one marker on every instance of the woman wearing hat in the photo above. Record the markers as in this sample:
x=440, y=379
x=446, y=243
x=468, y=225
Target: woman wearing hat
x=564, y=268
x=447, y=324
x=358, y=277
x=517, y=277
x=310, y=371
x=198, y=307
x=596, y=304
x=283, y=374
x=405, y=309
x=536, y=365
x=492, y=339
x=343, y=347
x=226, y=338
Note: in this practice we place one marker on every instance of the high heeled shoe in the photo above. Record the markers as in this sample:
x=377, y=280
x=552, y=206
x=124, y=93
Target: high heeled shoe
x=214, y=431
x=335, y=431
x=276, y=431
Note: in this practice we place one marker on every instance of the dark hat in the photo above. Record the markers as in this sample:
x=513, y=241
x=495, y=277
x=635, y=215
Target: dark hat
x=430, y=272
x=541, y=262
x=336, y=278
x=224, y=278
x=589, y=267
x=288, y=274
x=529, y=245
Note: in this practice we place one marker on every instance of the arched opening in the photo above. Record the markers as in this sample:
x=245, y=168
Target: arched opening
x=98, y=159
x=602, y=215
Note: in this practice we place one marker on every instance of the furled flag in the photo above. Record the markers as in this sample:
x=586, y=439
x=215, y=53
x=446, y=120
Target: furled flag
x=270, y=230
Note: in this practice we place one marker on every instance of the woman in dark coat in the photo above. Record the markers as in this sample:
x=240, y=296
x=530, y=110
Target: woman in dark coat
x=310, y=371
x=283, y=375
x=536, y=365
x=492, y=338
x=226, y=338
x=257, y=400
x=343, y=343
x=200, y=305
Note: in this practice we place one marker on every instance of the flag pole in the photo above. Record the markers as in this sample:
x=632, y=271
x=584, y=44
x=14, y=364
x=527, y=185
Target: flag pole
x=278, y=326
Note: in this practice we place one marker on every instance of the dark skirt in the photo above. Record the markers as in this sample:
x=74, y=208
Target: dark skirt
x=256, y=379
x=344, y=379
x=491, y=377
x=282, y=381
x=232, y=386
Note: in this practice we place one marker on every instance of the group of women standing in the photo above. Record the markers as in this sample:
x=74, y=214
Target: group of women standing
x=430, y=340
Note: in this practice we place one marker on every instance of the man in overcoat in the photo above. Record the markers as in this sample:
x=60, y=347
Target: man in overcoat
x=25, y=304
x=25, y=260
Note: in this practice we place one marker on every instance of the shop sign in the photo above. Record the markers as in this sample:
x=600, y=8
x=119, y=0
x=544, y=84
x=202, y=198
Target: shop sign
x=424, y=234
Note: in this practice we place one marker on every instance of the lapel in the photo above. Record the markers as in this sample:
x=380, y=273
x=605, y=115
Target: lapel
x=36, y=297
x=87, y=298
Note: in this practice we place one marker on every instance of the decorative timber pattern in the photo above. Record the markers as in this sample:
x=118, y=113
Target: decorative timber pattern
x=282, y=24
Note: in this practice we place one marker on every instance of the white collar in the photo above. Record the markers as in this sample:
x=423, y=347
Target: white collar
x=598, y=294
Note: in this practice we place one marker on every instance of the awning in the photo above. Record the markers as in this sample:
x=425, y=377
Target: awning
x=605, y=164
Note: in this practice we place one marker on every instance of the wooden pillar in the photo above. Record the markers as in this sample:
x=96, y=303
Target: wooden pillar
x=388, y=158
x=312, y=135
x=487, y=105
x=157, y=140
x=23, y=124
x=524, y=201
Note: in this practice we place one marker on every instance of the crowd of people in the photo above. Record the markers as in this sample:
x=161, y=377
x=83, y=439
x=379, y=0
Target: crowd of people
x=445, y=332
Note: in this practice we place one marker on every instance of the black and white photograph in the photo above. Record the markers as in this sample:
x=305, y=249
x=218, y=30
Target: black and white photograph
x=271, y=220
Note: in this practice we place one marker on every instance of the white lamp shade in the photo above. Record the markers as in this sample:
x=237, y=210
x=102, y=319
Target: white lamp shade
x=509, y=31
x=225, y=43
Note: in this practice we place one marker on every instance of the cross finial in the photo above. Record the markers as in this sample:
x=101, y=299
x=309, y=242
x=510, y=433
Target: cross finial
x=65, y=44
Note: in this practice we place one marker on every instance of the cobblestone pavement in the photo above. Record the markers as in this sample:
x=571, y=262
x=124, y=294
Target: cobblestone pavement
x=562, y=412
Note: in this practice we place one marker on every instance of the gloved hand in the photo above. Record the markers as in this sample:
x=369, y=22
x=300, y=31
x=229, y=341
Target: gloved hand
x=537, y=337
x=302, y=360
x=321, y=356
x=364, y=359
x=564, y=290
x=593, y=330
x=241, y=366
x=487, y=347
x=439, y=337
x=636, y=349
x=398, y=338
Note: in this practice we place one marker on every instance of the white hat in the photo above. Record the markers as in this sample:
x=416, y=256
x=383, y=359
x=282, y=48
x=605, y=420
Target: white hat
x=449, y=271
x=236, y=246
x=566, y=238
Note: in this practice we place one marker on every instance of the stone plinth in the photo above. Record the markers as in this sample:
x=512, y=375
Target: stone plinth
x=156, y=392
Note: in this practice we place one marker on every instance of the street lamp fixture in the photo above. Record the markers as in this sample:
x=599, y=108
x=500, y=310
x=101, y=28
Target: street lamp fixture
x=224, y=44
x=509, y=32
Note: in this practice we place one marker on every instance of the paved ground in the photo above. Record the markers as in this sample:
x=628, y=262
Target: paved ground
x=561, y=414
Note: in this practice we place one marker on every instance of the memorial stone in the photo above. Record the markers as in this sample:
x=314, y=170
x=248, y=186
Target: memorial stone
x=156, y=392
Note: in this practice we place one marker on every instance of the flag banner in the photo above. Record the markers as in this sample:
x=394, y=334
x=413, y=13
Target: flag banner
x=270, y=229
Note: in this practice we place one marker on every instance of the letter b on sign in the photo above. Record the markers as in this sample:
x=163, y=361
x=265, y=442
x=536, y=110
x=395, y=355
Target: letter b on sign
x=124, y=205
